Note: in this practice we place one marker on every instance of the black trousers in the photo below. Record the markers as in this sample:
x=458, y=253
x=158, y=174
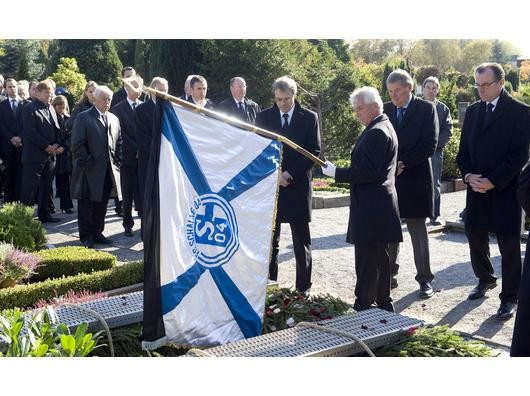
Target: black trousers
x=36, y=186
x=91, y=214
x=62, y=182
x=302, y=253
x=521, y=328
x=12, y=174
x=372, y=268
x=510, y=248
x=129, y=191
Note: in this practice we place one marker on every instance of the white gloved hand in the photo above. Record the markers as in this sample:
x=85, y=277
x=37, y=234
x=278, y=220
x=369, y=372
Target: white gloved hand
x=330, y=169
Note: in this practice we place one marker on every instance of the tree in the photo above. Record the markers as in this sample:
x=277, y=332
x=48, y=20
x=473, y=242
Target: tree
x=524, y=72
x=68, y=76
x=474, y=53
x=426, y=71
x=14, y=50
x=23, y=68
x=97, y=59
x=373, y=51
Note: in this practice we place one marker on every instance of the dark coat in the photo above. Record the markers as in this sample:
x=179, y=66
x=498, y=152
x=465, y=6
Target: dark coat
x=294, y=201
x=39, y=132
x=374, y=213
x=229, y=107
x=93, y=148
x=10, y=126
x=417, y=137
x=497, y=151
x=210, y=105
x=79, y=108
x=143, y=119
x=64, y=160
x=118, y=96
x=125, y=114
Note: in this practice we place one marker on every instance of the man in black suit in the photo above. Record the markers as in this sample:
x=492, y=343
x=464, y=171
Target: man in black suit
x=374, y=215
x=129, y=163
x=96, y=157
x=143, y=119
x=416, y=125
x=238, y=105
x=493, y=149
x=300, y=125
x=187, y=89
x=431, y=86
x=11, y=140
x=121, y=94
x=38, y=151
x=199, y=88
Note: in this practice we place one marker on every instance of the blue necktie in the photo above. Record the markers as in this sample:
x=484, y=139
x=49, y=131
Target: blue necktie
x=489, y=113
x=285, y=121
x=400, y=113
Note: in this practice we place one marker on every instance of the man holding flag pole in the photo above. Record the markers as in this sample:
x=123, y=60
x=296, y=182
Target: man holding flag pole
x=208, y=223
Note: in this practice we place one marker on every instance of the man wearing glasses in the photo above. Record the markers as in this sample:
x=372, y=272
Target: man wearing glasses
x=493, y=149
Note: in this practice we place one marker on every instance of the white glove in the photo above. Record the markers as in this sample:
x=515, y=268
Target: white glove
x=330, y=169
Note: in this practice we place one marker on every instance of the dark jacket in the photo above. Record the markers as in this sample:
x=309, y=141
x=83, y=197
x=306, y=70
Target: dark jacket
x=64, y=160
x=79, y=108
x=229, y=107
x=210, y=105
x=497, y=151
x=417, y=137
x=93, y=149
x=10, y=125
x=445, y=124
x=125, y=114
x=374, y=213
x=39, y=132
x=294, y=201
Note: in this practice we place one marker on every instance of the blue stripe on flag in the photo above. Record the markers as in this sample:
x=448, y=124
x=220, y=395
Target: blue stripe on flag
x=174, y=133
x=262, y=166
x=173, y=293
x=245, y=316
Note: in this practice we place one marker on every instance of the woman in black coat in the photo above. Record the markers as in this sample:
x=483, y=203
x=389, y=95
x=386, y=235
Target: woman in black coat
x=85, y=103
x=63, y=165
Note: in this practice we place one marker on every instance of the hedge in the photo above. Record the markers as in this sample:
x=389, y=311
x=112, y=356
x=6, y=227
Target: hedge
x=18, y=227
x=25, y=296
x=71, y=260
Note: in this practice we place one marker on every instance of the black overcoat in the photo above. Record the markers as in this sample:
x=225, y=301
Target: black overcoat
x=294, y=201
x=374, y=214
x=125, y=114
x=417, y=137
x=497, y=151
x=229, y=107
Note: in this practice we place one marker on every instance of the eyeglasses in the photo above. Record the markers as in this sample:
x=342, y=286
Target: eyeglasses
x=485, y=85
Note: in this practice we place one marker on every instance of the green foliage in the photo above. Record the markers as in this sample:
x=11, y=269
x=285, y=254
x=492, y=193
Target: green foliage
x=511, y=75
x=23, y=296
x=426, y=71
x=44, y=337
x=369, y=74
x=15, y=50
x=435, y=341
x=97, y=59
x=71, y=260
x=15, y=265
x=286, y=307
x=523, y=94
x=328, y=184
x=23, y=68
x=450, y=168
x=67, y=75
x=18, y=227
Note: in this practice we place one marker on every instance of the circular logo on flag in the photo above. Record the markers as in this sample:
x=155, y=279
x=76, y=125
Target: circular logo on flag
x=212, y=230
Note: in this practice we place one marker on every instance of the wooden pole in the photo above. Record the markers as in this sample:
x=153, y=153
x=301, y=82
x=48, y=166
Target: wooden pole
x=234, y=122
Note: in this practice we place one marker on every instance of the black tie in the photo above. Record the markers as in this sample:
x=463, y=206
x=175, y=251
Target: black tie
x=489, y=113
x=134, y=106
x=285, y=122
x=104, y=118
x=400, y=113
x=14, y=105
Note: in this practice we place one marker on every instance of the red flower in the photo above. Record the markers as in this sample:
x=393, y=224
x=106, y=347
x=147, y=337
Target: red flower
x=411, y=331
x=286, y=301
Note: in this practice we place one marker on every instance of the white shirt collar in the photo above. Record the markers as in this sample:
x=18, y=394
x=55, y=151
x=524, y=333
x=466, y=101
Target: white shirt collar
x=290, y=112
x=131, y=102
x=494, y=102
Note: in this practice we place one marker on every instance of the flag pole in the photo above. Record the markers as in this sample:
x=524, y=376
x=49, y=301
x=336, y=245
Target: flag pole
x=232, y=121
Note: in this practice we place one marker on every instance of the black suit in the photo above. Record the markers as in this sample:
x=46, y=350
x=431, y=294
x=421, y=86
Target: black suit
x=230, y=107
x=39, y=132
x=497, y=150
x=96, y=155
x=417, y=136
x=374, y=216
x=11, y=126
x=63, y=166
x=129, y=162
x=210, y=105
x=294, y=201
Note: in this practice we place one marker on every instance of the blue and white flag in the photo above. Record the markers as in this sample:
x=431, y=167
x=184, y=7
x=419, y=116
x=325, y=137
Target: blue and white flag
x=217, y=187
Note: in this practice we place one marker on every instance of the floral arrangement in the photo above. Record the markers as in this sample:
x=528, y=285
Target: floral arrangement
x=285, y=308
x=15, y=265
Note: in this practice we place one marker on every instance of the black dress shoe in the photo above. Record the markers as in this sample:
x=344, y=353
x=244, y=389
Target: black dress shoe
x=128, y=232
x=67, y=211
x=103, y=240
x=506, y=311
x=393, y=283
x=49, y=219
x=435, y=221
x=426, y=290
x=480, y=290
x=88, y=243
